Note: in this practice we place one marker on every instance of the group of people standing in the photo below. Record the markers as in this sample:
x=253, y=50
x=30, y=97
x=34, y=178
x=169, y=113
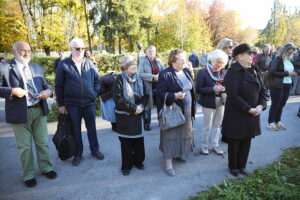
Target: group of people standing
x=231, y=88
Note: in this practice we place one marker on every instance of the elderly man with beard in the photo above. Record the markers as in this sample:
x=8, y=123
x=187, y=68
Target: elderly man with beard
x=25, y=89
x=76, y=86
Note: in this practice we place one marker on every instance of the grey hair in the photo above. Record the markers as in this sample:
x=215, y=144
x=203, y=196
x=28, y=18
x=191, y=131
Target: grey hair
x=218, y=54
x=151, y=47
x=16, y=44
x=76, y=41
x=284, y=49
x=225, y=42
x=267, y=45
x=126, y=61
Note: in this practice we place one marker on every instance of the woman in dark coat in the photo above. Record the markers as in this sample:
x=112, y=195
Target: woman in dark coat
x=246, y=98
x=130, y=99
x=176, y=81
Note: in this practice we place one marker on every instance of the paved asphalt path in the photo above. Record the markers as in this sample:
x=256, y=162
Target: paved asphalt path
x=102, y=180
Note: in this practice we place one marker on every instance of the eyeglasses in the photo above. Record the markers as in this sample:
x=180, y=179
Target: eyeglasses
x=24, y=51
x=79, y=48
x=250, y=53
x=230, y=47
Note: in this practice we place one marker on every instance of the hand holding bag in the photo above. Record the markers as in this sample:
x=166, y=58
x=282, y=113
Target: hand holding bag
x=170, y=116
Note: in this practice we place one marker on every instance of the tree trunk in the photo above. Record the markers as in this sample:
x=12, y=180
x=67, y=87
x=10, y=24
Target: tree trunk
x=120, y=45
x=47, y=50
x=87, y=26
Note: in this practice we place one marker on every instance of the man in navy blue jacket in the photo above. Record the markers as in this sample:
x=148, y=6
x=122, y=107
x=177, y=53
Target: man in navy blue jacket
x=77, y=86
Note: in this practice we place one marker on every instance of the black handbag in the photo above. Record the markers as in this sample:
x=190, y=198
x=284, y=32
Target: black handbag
x=63, y=138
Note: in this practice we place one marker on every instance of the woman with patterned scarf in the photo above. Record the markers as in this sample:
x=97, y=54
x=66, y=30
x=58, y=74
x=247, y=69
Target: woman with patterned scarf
x=130, y=99
x=212, y=99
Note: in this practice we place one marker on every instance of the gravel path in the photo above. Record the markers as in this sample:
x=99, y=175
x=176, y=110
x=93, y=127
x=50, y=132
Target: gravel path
x=102, y=180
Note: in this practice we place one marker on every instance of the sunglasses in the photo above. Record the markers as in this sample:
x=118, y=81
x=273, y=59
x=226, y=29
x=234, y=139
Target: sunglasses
x=230, y=47
x=79, y=48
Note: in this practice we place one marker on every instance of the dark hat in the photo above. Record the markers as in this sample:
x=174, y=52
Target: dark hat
x=242, y=48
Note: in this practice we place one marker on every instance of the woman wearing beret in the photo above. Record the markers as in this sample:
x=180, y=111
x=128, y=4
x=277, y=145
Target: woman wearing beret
x=130, y=99
x=246, y=99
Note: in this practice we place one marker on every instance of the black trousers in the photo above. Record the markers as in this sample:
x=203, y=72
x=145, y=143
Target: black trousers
x=238, y=151
x=132, y=151
x=279, y=97
x=147, y=113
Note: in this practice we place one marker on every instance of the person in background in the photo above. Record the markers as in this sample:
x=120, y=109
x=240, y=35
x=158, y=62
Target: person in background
x=210, y=88
x=255, y=51
x=60, y=57
x=296, y=79
x=281, y=72
x=25, y=89
x=129, y=94
x=263, y=61
x=246, y=99
x=190, y=66
x=149, y=68
x=203, y=58
x=88, y=55
x=107, y=104
x=176, y=83
x=193, y=58
x=77, y=87
x=226, y=45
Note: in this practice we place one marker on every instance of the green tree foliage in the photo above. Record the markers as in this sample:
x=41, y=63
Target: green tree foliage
x=276, y=29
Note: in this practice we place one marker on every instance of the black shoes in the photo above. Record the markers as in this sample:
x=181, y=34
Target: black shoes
x=125, y=172
x=98, y=155
x=244, y=171
x=76, y=160
x=51, y=175
x=234, y=172
x=142, y=167
x=30, y=183
x=147, y=127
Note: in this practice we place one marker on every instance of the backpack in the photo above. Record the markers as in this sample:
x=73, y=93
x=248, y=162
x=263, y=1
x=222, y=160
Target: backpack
x=63, y=138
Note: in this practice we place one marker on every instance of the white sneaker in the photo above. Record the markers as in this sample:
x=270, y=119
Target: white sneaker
x=273, y=127
x=218, y=150
x=204, y=150
x=280, y=126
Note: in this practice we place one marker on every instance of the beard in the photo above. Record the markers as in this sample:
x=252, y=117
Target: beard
x=22, y=59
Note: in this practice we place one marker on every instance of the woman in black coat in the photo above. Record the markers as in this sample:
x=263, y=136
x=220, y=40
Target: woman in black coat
x=130, y=99
x=246, y=98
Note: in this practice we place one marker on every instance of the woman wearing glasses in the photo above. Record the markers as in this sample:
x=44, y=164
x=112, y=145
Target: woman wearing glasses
x=246, y=99
x=210, y=87
x=176, y=82
x=226, y=45
x=281, y=73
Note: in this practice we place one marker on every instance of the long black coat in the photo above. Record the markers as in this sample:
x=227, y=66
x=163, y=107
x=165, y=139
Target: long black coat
x=127, y=124
x=244, y=91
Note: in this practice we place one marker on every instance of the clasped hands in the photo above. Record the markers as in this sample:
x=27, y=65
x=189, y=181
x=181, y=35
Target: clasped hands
x=256, y=111
x=139, y=109
x=19, y=92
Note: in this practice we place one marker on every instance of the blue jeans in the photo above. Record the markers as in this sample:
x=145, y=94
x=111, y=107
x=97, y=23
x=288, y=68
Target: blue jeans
x=279, y=97
x=88, y=113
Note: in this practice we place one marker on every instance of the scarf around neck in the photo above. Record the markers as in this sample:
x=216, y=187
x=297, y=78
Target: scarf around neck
x=132, y=86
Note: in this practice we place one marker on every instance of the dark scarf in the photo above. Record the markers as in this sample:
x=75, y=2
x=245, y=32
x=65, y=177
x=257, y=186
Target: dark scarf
x=132, y=86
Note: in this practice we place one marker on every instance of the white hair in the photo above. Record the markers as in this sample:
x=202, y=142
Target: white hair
x=218, y=54
x=150, y=47
x=77, y=41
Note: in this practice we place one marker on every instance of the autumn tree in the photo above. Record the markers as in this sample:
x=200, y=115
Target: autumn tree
x=12, y=27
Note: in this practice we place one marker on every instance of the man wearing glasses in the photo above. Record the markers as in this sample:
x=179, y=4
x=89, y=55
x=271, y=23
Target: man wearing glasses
x=77, y=86
x=25, y=89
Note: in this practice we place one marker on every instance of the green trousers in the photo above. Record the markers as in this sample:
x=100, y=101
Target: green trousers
x=36, y=128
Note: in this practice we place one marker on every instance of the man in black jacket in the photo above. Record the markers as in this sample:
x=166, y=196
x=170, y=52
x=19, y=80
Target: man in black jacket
x=77, y=86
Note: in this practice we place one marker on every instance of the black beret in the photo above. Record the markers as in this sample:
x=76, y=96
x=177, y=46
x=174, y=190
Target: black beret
x=242, y=48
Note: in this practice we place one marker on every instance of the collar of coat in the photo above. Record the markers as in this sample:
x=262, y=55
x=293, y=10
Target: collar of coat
x=246, y=76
